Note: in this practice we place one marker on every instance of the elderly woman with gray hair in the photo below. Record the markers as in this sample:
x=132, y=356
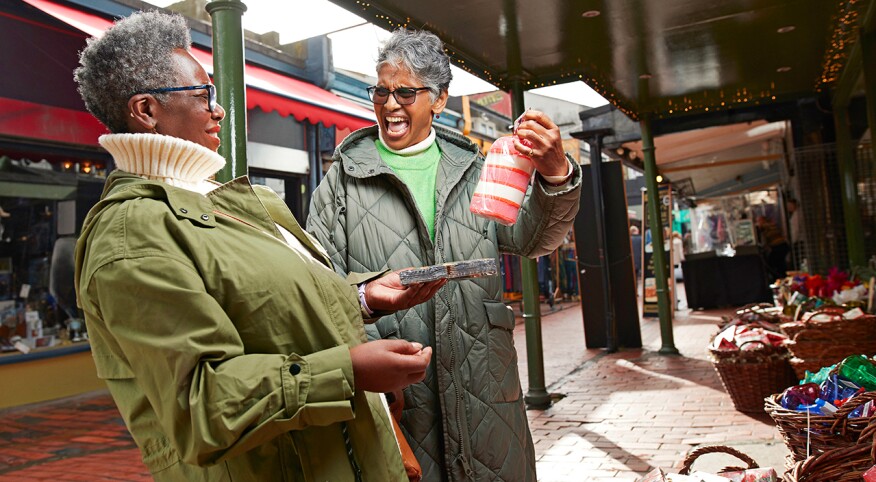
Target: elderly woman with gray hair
x=232, y=349
x=398, y=195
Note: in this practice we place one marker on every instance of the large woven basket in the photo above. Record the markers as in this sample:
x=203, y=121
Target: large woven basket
x=750, y=375
x=818, y=433
x=829, y=341
x=844, y=464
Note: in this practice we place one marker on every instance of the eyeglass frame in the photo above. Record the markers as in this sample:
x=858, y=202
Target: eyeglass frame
x=211, y=93
x=373, y=90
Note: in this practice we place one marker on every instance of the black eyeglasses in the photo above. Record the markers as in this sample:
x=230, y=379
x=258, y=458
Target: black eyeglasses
x=211, y=92
x=403, y=95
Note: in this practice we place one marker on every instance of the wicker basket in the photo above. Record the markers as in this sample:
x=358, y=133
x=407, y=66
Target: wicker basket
x=812, y=365
x=691, y=457
x=829, y=341
x=750, y=375
x=820, y=433
x=845, y=464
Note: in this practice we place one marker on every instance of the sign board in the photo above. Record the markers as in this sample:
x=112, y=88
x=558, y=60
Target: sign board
x=649, y=279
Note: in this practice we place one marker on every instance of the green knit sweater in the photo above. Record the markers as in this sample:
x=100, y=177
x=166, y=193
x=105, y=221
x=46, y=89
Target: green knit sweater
x=418, y=172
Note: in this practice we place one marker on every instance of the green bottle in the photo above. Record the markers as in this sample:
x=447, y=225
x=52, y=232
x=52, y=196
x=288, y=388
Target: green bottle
x=860, y=370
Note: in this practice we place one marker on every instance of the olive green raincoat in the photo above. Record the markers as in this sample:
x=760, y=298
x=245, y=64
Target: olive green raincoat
x=226, y=351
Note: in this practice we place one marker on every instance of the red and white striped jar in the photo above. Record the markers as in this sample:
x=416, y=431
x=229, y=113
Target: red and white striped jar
x=503, y=183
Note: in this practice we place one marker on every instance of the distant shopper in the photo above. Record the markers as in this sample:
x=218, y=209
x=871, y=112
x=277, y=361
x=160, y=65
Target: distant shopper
x=775, y=246
x=795, y=231
x=636, y=244
x=230, y=347
x=398, y=194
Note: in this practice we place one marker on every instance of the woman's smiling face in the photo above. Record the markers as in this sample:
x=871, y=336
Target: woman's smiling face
x=405, y=125
x=186, y=113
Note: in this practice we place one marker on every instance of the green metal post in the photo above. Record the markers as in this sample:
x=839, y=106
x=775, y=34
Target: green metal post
x=654, y=203
x=230, y=87
x=846, y=161
x=536, y=396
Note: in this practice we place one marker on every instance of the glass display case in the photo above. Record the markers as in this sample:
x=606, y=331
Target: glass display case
x=724, y=224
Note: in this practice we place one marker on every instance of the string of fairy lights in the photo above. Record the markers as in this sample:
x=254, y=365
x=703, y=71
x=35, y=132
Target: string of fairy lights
x=843, y=36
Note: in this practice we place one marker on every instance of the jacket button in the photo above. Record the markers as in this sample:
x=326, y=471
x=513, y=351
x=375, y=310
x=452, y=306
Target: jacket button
x=295, y=369
x=183, y=210
x=349, y=168
x=205, y=217
x=370, y=171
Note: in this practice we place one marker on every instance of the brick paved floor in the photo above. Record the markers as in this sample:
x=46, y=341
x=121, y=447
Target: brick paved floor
x=625, y=413
x=621, y=414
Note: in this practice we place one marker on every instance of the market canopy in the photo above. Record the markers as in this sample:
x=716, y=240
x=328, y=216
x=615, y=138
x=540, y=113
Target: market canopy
x=664, y=58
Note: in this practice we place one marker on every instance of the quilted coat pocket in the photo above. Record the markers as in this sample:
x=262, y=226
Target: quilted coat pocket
x=502, y=357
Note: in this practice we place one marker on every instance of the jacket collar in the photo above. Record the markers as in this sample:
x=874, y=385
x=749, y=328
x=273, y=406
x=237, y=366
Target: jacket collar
x=360, y=158
x=122, y=186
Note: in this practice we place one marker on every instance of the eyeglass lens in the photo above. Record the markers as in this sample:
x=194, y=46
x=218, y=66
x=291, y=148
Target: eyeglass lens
x=403, y=95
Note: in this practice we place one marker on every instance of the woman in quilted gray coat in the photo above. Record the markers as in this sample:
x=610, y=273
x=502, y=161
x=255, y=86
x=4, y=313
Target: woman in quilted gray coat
x=398, y=195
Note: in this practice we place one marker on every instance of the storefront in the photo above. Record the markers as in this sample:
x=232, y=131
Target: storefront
x=52, y=171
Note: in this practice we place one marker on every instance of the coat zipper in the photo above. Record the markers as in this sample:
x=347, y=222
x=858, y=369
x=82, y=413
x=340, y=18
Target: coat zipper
x=460, y=414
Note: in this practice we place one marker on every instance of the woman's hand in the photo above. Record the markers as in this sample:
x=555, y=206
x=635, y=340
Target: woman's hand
x=542, y=142
x=388, y=294
x=388, y=365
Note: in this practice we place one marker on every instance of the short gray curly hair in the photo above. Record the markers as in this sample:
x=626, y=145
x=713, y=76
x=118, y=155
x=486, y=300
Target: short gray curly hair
x=422, y=53
x=133, y=55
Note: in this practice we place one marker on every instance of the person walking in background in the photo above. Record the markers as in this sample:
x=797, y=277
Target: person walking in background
x=795, y=232
x=230, y=347
x=398, y=194
x=636, y=244
x=775, y=245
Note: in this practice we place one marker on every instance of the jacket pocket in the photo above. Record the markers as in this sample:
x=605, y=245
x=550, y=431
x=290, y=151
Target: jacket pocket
x=501, y=356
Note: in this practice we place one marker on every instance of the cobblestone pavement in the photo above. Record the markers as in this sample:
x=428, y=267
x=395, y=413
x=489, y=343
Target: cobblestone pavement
x=620, y=414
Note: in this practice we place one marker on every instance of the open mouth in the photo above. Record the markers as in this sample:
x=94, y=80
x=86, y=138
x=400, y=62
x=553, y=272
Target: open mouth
x=396, y=126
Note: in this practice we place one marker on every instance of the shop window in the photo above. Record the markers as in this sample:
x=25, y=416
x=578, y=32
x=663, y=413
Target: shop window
x=42, y=205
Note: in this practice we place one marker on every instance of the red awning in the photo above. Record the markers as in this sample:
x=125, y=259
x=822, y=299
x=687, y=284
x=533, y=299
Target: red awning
x=266, y=90
x=20, y=118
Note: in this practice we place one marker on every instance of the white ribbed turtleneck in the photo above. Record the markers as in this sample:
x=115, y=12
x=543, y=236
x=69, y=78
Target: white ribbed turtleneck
x=172, y=160
x=410, y=150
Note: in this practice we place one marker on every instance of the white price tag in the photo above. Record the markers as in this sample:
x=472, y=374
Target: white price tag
x=25, y=291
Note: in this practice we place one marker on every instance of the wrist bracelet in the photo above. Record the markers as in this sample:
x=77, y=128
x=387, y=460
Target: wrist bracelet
x=362, y=299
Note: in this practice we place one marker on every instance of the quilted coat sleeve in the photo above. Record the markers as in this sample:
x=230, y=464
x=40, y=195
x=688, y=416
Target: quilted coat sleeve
x=326, y=215
x=153, y=323
x=545, y=219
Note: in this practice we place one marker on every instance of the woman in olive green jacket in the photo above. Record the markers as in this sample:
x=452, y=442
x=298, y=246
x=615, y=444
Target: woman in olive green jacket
x=231, y=348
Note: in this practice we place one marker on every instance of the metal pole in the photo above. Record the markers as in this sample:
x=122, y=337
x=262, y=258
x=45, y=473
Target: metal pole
x=602, y=248
x=668, y=344
x=537, y=396
x=313, y=154
x=230, y=87
x=846, y=163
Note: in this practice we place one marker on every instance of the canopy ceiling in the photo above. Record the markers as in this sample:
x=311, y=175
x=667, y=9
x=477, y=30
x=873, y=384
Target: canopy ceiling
x=660, y=57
